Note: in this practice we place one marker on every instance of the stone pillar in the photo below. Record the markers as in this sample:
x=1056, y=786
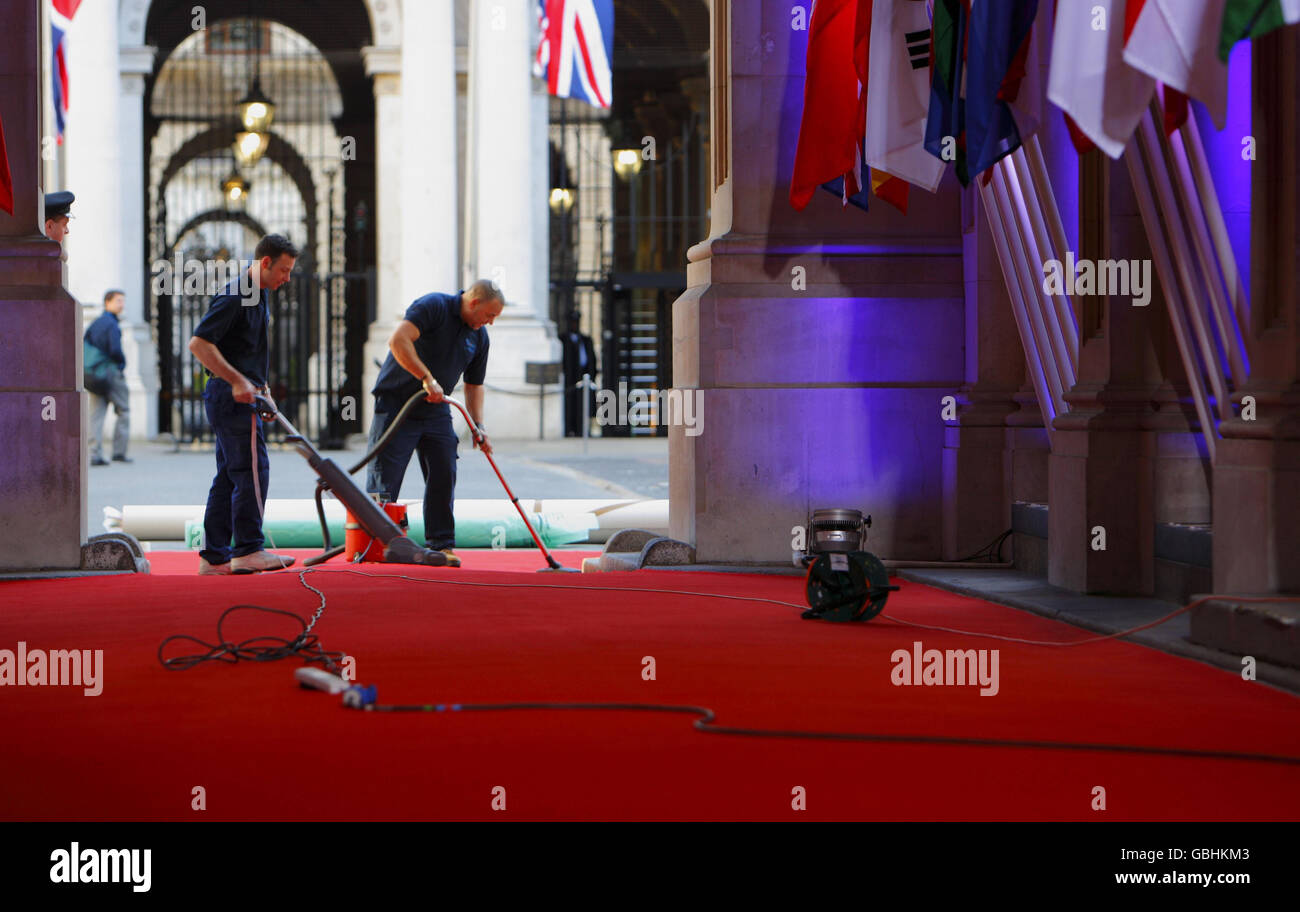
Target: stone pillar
x=42, y=405
x=509, y=233
x=429, y=198
x=823, y=341
x=1257, y=468
x=383, y=65
x=1101, y=467
x=105, y=154
x=977, y=470
x=138, y=341
x=94, y=145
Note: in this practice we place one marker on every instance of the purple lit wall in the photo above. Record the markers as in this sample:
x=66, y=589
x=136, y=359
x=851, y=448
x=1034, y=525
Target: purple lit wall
x=824, y=391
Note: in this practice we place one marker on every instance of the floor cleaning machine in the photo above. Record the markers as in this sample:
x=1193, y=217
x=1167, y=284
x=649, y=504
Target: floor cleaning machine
x=375, y=521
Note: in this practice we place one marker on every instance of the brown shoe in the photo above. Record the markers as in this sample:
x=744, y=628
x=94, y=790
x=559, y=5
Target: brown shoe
x=206, y=569
x=260, y=561
x=452, y=559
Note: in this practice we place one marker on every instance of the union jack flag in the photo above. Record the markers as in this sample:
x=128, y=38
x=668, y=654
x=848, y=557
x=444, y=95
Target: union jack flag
x=575, y=49
x=61, y=13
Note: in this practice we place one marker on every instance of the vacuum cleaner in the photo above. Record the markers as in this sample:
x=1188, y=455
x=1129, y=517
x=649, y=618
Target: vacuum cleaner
x=369, y=515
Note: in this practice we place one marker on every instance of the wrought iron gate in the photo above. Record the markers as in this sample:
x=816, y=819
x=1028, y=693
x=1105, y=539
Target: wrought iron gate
x=210, y=201
x=313, y=317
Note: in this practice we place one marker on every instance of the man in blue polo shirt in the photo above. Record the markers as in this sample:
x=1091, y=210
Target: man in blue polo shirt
x=442, y=337
x=231, y=342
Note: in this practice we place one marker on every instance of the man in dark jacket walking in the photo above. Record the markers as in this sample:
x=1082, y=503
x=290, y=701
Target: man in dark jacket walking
x=108, y=383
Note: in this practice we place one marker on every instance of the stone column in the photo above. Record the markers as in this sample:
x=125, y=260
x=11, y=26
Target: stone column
x=94, y=144
x=1101, y=471
x=429, y=204
x=138, y=341
x=977, y=468
x=1257, y=469
x=509, y=240
x=42, y=405
x=822, y=341
x=105, y=152
x=383, y=65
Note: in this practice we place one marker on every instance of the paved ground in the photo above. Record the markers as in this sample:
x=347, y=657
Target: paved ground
x=1102, y=614
x=603, y=467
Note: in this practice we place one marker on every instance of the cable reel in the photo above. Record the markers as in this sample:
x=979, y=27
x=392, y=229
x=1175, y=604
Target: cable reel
x=845, y=582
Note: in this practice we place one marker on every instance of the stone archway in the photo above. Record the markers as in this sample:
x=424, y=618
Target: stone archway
x=277, y=150
x=216, y=215
x=133, y=17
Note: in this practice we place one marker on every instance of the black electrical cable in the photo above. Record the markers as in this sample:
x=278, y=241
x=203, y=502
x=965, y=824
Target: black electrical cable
x=307, y=646
x=705, y=724
x=256, y=649
x=986, y=553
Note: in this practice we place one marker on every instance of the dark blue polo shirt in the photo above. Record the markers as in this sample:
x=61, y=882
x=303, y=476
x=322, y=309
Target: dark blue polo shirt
x=238, y=328
x=106, y=336
x=447, y=347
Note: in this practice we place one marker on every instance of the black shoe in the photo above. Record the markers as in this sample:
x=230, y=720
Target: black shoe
x=99, y=462
x=123, y=459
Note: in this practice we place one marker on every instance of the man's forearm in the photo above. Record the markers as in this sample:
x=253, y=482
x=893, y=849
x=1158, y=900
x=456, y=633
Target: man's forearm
x=212, y=358
x=474, y=401
x=403, y=350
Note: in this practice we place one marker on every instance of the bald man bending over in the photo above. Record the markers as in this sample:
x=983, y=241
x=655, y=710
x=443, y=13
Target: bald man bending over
x=442, y=337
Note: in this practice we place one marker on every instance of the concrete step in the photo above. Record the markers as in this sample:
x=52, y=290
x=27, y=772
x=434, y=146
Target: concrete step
x=1265, y=629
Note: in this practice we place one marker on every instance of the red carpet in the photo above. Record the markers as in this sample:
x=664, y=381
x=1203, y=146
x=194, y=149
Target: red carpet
x=264, y=749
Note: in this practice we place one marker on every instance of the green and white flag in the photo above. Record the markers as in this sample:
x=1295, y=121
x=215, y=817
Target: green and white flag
x=1253, y=18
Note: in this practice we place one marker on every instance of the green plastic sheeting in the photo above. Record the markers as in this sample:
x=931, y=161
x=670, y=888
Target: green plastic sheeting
x=471, y=532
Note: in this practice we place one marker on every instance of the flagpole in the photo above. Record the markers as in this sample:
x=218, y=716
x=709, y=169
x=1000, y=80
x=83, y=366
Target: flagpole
x=1229, y=298
x=1028, y=202
x=1139, y=165
x=1164, y=193
x=1037, y=375
x=1043, y=186
x=1032, y=153
x=1031, y=289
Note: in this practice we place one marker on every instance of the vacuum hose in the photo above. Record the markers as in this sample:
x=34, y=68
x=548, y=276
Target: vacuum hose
x=383, y=441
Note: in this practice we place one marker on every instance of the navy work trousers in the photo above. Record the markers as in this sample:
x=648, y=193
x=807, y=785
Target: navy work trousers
x=432, y=437
x=234, y=515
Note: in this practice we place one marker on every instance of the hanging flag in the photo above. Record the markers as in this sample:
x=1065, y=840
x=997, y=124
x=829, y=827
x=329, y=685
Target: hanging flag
x=858, y=198
x=996, y=66
x=945, y=125
x=542, y=60
x=883, y=186
x=834, y=115
x=6, y=178
x=61, y=13
x=1253, y=18
x=1177, y=42
x=898, y=94
x=1102, y=96
x=575, y=47
x=892, y=190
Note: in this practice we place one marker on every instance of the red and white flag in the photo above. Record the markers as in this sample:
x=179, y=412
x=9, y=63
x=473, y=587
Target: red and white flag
x=1177, y=42
x=1090, y=81
x=61, y=13
x=898, y=93
x=831, y=130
